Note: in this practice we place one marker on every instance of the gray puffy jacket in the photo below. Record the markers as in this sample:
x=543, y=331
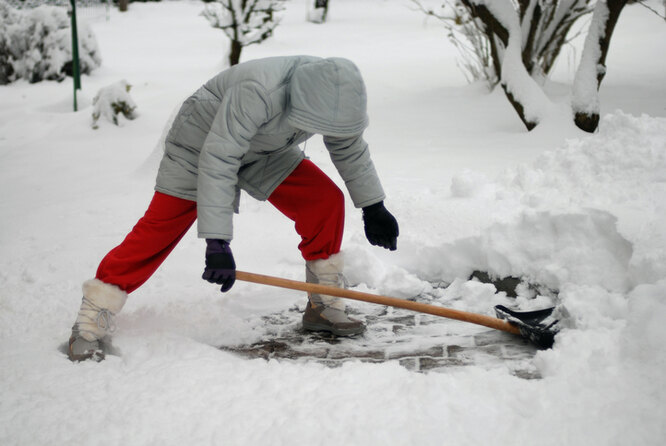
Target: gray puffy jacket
x=241, y=130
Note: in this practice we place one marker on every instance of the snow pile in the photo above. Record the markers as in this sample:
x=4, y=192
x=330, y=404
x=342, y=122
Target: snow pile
x=620, y=171
x=604, y=192
x=645, y=323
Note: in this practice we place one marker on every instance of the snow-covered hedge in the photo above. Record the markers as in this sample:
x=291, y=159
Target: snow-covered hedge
x=36, y=44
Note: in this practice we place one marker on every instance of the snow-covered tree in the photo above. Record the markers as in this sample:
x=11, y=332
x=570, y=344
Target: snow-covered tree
x=526, y=37
x=36, y=44
x=482, y=37
x=513, y=42
x=516, y=43
x=245, y=22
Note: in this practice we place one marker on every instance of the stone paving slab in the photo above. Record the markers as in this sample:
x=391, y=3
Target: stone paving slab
x=418, y=342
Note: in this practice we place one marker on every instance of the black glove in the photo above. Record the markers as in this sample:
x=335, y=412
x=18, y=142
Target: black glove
x=381, y=228
x=220, y=265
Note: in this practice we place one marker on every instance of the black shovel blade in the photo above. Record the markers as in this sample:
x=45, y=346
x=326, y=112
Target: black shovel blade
x=538, y=326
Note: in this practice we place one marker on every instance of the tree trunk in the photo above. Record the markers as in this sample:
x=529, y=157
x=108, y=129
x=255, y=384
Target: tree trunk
x=529, y=58
x=519, y=109
x=495, y=30
x=588, y=119
x=235, y=52
x=122, y=5
x=318, y=12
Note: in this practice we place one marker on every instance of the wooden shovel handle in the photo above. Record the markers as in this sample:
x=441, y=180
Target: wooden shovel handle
x=479, y=319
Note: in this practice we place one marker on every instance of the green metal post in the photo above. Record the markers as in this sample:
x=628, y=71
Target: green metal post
x=76, y=70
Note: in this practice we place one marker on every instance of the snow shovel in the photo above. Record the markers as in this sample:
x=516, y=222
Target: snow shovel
x=532, y=325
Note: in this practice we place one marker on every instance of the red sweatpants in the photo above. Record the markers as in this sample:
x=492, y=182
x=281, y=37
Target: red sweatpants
x=307, y=196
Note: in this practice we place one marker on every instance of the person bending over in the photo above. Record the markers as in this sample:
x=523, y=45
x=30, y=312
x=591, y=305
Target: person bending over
x=241, y=131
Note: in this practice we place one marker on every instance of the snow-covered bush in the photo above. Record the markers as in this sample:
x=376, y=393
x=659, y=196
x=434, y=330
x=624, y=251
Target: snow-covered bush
x=112, y=101
x=36, y=44
x=7, y=15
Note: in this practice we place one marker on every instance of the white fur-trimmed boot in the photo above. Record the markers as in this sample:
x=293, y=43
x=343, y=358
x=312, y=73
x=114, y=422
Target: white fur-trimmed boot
x=101, y=302
x=324, y=312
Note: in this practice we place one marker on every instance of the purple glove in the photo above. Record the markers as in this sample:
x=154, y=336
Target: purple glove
x=220, y=265
x=381, y=228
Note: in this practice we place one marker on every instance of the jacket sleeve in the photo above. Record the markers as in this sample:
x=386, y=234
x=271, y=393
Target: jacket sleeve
x=244, y=108
x=351, y=158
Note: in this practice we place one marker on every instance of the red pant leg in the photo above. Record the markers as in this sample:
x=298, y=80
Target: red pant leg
x=313, y=201
x=151, y=240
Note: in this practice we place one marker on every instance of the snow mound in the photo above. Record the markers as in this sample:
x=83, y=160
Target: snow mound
x=621, y=170
x=555, y=249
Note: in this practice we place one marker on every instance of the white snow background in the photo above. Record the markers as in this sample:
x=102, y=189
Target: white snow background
x=470, y=187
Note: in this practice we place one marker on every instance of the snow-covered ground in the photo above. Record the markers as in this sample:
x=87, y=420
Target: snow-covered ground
x=472, y=189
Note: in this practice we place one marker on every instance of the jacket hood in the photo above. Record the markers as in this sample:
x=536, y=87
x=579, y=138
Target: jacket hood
x=328, y=97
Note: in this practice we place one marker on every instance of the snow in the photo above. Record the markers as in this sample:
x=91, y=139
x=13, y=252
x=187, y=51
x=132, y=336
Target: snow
x=471, y=190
